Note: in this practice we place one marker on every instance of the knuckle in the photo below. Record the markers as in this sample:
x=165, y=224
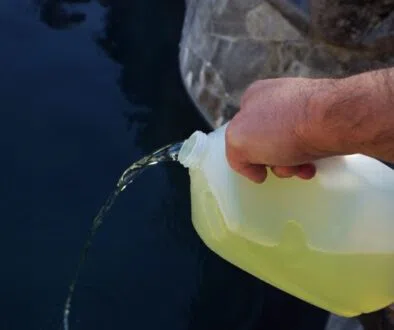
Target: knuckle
x=260, y=86
x=250, y=91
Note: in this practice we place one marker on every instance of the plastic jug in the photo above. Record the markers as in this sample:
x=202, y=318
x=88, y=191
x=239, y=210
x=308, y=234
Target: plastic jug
x=328, y=241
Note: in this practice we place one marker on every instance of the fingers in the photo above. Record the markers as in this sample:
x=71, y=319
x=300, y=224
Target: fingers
x=239, y=162
x=256, y=173
x=285, y=171
x=304, y=171
x=238, y=151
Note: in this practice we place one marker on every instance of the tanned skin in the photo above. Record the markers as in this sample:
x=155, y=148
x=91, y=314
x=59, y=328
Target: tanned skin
x=287, y=123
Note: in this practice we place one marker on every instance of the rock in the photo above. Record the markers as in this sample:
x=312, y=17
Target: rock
x=339, y=323
x=226, y=45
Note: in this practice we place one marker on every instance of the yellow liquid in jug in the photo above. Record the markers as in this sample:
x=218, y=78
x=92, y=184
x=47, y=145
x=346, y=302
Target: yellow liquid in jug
x=344, y=284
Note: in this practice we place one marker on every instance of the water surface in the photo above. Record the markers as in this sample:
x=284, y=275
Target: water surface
x=85, y=90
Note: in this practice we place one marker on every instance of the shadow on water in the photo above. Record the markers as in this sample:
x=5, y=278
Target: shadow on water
x=147, y=268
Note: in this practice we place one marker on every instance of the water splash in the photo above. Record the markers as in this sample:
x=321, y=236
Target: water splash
x=165, y=154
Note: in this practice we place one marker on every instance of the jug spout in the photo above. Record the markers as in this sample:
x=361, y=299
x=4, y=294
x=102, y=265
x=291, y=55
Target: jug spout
x=193, y=150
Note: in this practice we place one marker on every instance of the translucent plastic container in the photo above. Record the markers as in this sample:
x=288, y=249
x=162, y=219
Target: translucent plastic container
x=328, y=241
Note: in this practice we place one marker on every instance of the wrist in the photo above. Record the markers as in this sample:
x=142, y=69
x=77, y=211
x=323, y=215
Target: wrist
x=346, y=115
x=324, y=128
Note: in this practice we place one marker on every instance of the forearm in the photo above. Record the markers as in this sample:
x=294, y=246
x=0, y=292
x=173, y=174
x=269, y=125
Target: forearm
x=354, y=115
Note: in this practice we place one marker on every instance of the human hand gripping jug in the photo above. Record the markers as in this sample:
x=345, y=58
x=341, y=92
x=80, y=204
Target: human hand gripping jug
x=328, y=241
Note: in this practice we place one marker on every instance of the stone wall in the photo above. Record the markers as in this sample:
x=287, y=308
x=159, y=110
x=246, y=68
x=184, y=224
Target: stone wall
x=228, y=44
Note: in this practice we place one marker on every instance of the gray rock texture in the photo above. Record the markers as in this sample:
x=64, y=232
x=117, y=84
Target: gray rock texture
x=340, y=323
x=228, y=44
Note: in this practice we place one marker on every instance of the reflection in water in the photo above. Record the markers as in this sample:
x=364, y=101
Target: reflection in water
x=148, y=54
x=150, y=79
x=143, y=39
x=55, y=13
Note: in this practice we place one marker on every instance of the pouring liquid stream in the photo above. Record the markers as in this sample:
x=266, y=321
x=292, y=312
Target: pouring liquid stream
x=165, y=154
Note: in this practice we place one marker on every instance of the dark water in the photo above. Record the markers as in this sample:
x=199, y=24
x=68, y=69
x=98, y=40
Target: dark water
x=168, y=153
x=86, y=89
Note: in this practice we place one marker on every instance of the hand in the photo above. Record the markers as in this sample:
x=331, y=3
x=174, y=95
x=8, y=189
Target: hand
x=271, y=130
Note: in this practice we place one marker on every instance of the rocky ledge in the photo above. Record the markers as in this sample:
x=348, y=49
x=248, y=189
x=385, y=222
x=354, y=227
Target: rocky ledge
x=228, y=44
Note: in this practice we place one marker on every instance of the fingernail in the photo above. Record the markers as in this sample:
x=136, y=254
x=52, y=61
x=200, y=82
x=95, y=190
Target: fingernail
x=306, y=171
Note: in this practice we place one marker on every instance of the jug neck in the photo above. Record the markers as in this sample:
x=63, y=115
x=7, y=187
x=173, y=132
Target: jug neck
x=193, y=150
